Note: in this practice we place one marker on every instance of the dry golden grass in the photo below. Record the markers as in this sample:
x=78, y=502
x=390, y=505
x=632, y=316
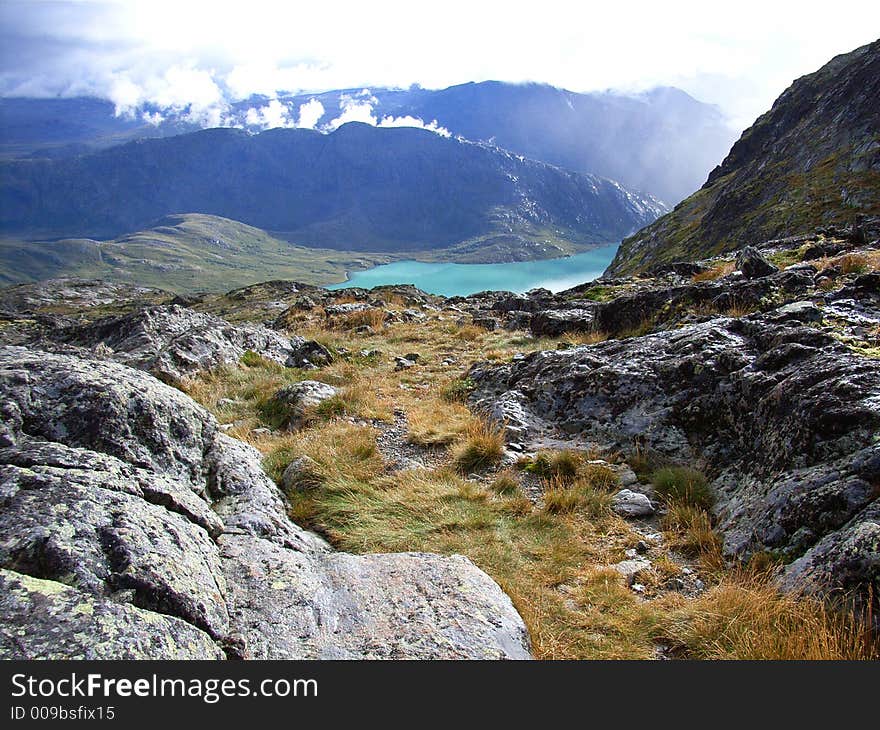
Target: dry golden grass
x=585, y=338
x=393, y=299
x=506, y=482
x=716, y=272
x=468, y=333
x=689, y=530
x=645, y=327
x=530, y=553
x=562, y=496
x=600, y=477
x=562, y=465
x=739, y=309
x=358, y=399
x=851, y=263
x=373, y=318
x=481, y=447
x=854, y=263
x=746, y=617
x=434, y=422
x=241, y=388
x=342, y=450
x=736, y=310
x=552, y=563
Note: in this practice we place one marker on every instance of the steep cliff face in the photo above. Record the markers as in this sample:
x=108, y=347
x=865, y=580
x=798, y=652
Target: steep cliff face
x=813, y=159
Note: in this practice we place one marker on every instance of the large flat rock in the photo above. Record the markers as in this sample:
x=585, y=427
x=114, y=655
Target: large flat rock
x=132, y=528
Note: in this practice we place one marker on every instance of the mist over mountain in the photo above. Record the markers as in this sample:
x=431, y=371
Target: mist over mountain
x=662, y=142
x=359, y=188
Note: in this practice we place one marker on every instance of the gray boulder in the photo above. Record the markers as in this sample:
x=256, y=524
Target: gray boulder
x=781, y=415
x=298, y=399
x=45, y=619
x=752, y=264
x=307, y=352
x=301, y=475
x=508, y=410
x=133, y=528
x=554, y=322
x=631, y=504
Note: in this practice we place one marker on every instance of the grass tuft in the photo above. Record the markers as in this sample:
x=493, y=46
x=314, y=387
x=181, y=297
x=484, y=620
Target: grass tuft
x=683, y=485
x=854, y=264
x=564, y=465
x=746, y=617
x=692, y=533
x=715, y=273
x=457, y=390
x=483, y=446
x=372, y=318
x=505, y=482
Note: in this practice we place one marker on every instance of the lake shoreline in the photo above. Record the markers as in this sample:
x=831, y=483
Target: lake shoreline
x=457, y=279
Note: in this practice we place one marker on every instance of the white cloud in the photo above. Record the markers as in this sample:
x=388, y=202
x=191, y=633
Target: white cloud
x=154, y=118
x=358, y=108
x=175, y=53
x=408, y=121
x=310, y=114
x=272, y=115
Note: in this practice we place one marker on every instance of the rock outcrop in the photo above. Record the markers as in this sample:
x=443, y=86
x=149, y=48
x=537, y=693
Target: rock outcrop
x=173, y=342
x=779, y=412
x=133, y=528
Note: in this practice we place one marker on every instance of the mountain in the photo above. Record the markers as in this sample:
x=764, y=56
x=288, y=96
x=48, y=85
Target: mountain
x=360, y=188
x=662, y=142
x=69, y=127
x=813, y=159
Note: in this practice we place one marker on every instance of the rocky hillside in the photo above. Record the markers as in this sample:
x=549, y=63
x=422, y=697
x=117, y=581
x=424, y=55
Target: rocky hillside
x=607, y=454
x=813, y=159
x=358, y=189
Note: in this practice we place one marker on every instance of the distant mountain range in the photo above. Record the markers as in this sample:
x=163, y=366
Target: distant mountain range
x=662, y=142
x=360, y=188
x=812, y=160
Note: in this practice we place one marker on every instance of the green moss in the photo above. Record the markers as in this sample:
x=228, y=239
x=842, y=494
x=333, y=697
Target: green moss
x=599, y=293
x=252, y=359
x=458, y=390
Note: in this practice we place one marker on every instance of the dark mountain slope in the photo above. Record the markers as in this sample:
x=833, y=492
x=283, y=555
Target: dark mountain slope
x=813, y=159
x=360, y=188
x=662, y=142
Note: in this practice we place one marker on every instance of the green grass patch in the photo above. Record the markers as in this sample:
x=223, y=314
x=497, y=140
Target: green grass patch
x=683, y=485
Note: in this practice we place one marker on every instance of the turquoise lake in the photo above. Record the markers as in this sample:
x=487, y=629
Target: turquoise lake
x=462, y=279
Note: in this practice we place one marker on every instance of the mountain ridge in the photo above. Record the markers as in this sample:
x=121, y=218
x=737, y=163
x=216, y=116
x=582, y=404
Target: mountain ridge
x=812, y=159
x=661, y=141
x=359, y=188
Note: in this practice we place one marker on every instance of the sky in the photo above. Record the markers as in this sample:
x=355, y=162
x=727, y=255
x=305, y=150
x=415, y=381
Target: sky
x=200, y=56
